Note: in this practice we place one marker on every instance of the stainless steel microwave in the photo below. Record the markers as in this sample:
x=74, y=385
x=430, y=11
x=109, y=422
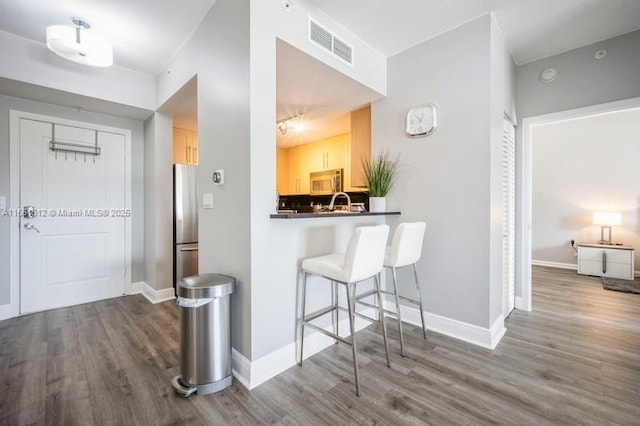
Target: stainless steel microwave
x=326, y=182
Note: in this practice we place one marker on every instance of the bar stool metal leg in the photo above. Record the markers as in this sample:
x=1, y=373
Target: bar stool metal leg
x=399, y=317
x=352, y=329
x=424, y=327
x=302, y=319
x=376, y=279
x=334, y=302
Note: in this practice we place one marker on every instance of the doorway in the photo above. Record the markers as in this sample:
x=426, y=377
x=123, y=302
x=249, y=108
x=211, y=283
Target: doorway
x=525, y=185
x=70, y=212
x=183, y=108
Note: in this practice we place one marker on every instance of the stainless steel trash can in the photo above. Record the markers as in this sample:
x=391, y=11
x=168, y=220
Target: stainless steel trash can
x=205, y=334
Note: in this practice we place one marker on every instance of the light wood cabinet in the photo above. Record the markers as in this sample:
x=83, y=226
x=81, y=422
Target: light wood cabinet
x=360, y=144
x=282, y=175
x=301, y=160
x=337, y=152
x=185, y=146
x=326, y=154
x=298, y=175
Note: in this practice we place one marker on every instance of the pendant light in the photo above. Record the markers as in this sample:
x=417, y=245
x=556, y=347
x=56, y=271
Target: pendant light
x=78, y=45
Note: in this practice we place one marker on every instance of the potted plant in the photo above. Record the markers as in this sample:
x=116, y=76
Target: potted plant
x=379, y=175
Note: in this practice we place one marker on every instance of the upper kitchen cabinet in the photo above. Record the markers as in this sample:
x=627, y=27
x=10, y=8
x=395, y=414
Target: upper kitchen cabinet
x=360, y=144
x=282, y=175
x=185, y=146
x=326, y=154
x=298, y=172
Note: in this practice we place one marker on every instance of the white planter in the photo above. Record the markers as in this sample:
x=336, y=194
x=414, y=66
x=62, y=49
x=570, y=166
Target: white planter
x=377, y=204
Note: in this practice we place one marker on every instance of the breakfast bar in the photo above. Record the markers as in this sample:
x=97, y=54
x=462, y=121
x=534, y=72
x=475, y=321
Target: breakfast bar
x=315, y=215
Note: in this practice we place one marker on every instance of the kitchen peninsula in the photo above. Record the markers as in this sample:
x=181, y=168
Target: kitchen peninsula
x=336, y=205
x=337, y=213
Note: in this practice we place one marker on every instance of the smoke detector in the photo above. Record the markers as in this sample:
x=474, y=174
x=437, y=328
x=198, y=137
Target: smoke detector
x=601, y=53
x=548, y=75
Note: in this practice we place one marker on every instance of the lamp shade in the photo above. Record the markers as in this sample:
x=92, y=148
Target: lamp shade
x=608, y=219
x=79, y=46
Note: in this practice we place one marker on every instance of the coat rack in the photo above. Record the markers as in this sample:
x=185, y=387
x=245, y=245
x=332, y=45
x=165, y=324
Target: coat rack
x=73, y=148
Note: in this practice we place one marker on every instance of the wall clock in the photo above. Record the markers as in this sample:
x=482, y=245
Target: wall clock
x=422, y=120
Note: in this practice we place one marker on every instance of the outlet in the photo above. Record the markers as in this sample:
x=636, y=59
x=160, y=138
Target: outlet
x=572, y=243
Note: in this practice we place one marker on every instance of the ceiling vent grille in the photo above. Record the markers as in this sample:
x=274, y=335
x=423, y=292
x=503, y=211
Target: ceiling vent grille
x=320, y=36
x=325, y=39
x=342, y=49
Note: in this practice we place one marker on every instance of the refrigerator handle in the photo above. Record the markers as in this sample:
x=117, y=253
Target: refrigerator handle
x=188, y=249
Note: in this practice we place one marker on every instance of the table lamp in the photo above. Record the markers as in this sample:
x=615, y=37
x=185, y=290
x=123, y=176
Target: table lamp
x=606, y=220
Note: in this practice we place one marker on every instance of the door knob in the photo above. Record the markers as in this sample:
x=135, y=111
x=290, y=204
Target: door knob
x=31, y=226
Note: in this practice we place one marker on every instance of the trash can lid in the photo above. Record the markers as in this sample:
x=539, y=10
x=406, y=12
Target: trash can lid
x=206, y=286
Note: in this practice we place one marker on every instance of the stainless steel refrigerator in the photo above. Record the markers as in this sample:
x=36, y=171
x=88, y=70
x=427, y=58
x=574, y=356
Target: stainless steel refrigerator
x=185, y=221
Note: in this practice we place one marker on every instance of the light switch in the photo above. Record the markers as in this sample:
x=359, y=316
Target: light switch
x=207, y=201
x=3, y=202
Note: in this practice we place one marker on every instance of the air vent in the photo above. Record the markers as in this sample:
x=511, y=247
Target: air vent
x=325, y=39
x=320, y=36
x=342, y=49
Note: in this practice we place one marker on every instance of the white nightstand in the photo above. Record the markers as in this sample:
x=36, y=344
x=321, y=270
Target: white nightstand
x=605, y=260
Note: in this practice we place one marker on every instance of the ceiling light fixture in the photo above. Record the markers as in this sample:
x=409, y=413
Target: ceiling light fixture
x=295, y=124
x=78, y=45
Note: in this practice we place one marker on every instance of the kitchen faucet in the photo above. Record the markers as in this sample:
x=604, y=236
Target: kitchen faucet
x=333, y=199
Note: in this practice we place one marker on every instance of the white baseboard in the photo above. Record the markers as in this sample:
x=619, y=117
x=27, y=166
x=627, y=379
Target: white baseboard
x=470, y=333
x=572, y=266
x=6, y=312
x=497, y=332
x=241, y=368
x=154, y=296
x=252, y=374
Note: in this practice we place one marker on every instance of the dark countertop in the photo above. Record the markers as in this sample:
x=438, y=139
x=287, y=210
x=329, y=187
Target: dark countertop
x=323, y=215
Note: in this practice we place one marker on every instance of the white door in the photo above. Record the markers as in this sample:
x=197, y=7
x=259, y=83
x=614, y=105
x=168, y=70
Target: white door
x=508, y=217
x=73, y=250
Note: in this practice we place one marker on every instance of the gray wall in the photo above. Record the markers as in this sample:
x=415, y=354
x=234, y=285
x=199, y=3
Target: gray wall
x=218, y=52
x=137, y=163
x=445, y=178
x=582, y=81
x=158, y=201
x=581, y=166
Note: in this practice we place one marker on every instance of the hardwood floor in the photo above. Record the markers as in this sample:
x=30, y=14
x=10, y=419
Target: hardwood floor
x=574, y=360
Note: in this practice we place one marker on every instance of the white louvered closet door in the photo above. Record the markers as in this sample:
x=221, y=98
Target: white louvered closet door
x=508, y=216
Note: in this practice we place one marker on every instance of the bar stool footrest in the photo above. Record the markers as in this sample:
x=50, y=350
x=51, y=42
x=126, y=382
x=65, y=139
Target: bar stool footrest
x=327, y=333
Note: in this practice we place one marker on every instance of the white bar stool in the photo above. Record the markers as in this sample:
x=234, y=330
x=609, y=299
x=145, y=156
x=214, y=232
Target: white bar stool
x=363, y=260
x=405, y=250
